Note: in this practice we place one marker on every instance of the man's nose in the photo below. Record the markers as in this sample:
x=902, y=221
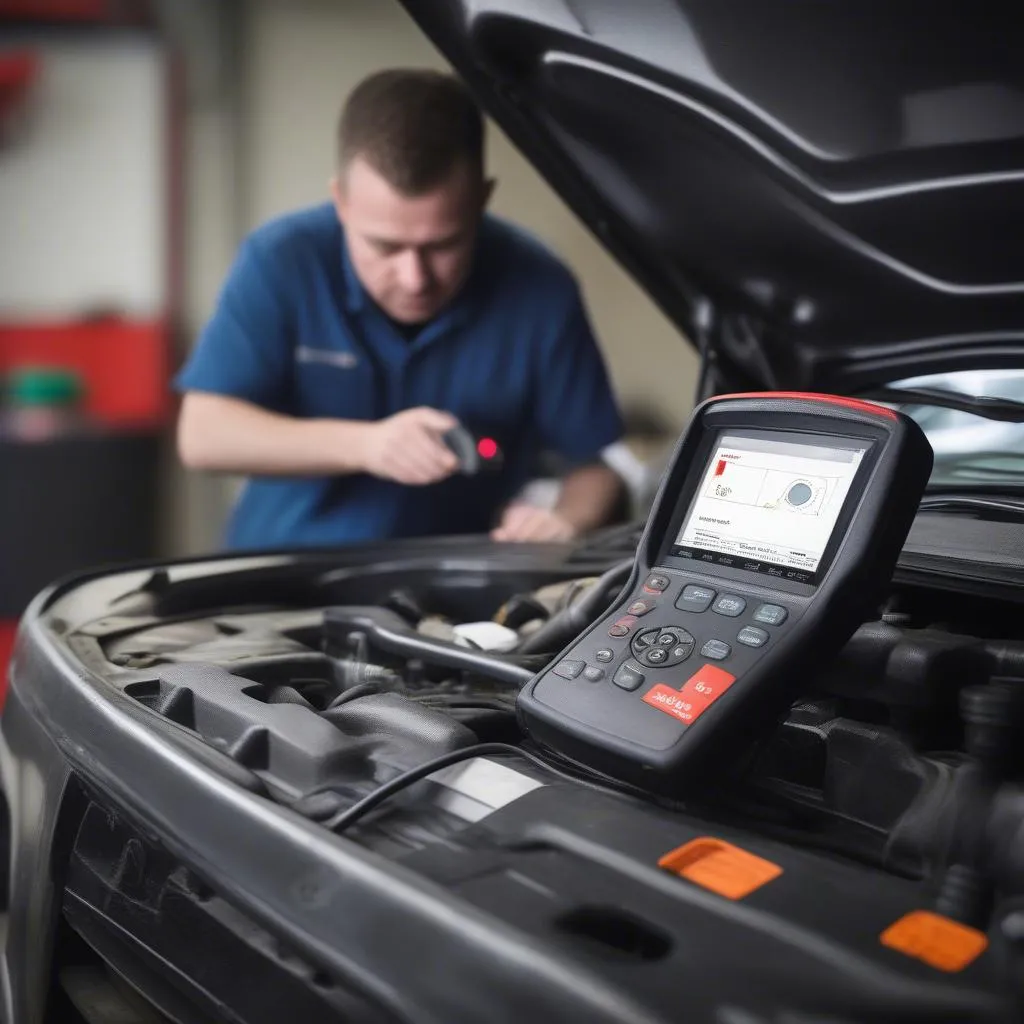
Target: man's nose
x=413, y=272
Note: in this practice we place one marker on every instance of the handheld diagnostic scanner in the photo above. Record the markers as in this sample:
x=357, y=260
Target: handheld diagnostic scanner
x=475, y=454
x=774, y=534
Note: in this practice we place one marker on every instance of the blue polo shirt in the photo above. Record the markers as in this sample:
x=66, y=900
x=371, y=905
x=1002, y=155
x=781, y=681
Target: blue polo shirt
x=512, y=357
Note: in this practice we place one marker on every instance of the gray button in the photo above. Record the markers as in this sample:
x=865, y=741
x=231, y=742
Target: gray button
x=716, y=650
x=645, y=639
x=593, y=673
x=604, y=655
x=752, y=636
x=657, y=582
x=667, y=638
x=628, y=676
x=568, y=669
x=695, y=599
x=729, y=604
x=771, y=614
x=656, y=656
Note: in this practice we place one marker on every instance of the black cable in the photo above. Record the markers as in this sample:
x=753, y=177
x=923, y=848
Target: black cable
x=344, y=819
x=573, y=619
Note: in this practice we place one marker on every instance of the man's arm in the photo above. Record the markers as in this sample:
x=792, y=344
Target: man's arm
x=587, y=499
x=576, y=415
x=217, y=432
x=589, y=496
x=239, y=372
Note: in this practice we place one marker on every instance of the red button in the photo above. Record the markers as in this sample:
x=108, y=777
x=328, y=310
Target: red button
x=620, y=627
x=707, y=684
x=641, y=607
x=672, y=702
x=700, y=691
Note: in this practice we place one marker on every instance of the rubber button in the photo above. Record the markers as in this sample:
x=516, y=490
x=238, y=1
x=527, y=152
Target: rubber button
x=622, y=625
x=771, y=614
x=605, y=654
x=695, y=599
x=656, y=583
x=569, y=669
x=641, y=607
x=729, y=604
x=645, y=639
x=751, y=636
x=667, y=639
x=656, y=656
x=593, y=674
x=716, y=649
x=629, y=676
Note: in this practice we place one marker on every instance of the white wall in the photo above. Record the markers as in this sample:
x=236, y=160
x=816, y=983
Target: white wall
x=300, y=59
x=83, y=194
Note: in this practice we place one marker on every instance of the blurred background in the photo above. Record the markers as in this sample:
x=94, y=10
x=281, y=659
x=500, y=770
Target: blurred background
x=140, y=140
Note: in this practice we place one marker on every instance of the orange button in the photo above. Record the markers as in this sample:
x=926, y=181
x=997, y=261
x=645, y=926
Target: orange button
x=938, y=941
x=720, y=867
x=700, y=691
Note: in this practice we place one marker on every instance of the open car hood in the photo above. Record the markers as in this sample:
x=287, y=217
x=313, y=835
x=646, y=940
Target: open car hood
x=825, y=196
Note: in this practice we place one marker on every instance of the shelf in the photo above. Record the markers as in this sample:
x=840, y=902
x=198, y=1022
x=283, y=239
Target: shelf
x=123, y=364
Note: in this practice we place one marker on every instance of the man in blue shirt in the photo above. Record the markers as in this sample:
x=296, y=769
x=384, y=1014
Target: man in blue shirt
x=350, y=336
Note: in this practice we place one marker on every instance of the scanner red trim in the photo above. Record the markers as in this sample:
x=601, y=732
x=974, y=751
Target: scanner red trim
x=871, y=408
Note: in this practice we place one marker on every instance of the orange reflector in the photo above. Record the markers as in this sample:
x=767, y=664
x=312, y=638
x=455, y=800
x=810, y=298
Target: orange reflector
x=721, y=867
x=937, y=941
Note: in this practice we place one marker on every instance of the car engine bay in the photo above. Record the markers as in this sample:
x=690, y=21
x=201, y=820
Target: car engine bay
x=898, y=765
x=368, y=690
x=503, y=760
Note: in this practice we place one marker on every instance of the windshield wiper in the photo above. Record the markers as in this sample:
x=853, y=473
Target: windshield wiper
x=1005, y=409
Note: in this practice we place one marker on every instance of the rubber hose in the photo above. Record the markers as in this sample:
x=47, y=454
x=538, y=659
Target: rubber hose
x=568, y=623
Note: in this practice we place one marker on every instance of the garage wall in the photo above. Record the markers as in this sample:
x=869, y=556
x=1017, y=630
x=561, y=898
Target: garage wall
x=83, y=191
x=299, y=60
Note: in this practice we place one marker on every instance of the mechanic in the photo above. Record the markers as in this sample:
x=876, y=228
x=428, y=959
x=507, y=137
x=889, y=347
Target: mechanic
x=350, y=336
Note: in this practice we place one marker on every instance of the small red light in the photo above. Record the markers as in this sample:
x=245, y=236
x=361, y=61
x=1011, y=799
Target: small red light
x=487, y=447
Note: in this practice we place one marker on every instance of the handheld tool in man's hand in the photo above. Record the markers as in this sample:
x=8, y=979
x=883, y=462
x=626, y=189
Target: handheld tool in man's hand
x=476, y=454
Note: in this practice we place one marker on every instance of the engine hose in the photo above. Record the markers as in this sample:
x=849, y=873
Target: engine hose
x=570, y=621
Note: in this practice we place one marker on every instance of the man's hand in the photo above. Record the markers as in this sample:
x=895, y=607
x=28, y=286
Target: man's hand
x=407, y=447
x=531, y=524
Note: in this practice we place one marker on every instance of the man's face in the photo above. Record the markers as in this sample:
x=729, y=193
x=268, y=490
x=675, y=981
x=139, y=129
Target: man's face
x=411, y=253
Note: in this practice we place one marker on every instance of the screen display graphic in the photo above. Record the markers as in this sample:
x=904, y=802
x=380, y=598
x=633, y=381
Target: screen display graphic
x=769, y=506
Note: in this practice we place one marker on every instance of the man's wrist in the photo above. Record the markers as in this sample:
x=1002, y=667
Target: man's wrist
x=576, y=523
x=348, y=444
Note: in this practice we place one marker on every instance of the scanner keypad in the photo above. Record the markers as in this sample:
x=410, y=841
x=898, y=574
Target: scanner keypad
x=662, y=625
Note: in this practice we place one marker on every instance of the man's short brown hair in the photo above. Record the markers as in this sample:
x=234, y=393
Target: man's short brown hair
x=412, y=126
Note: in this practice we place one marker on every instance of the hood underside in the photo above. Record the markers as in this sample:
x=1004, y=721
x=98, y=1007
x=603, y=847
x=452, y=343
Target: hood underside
x=821, y=195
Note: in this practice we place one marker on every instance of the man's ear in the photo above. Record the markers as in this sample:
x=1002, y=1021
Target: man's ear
x=337, y=190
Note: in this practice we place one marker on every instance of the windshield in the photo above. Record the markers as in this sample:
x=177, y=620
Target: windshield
x=969, y=449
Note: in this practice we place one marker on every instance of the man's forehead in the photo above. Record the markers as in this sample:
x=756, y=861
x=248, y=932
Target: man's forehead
x=370, y=196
